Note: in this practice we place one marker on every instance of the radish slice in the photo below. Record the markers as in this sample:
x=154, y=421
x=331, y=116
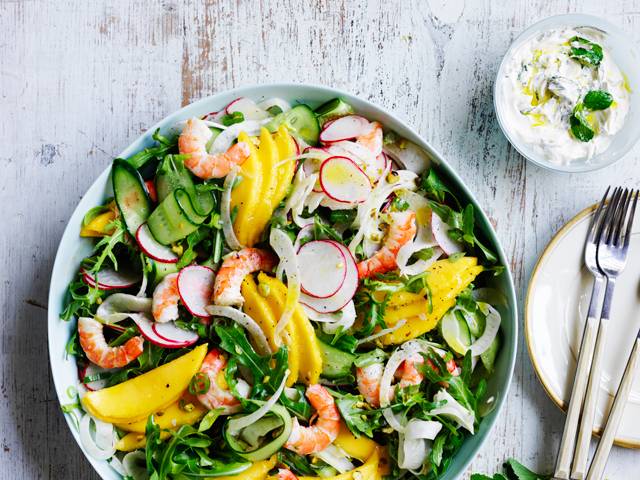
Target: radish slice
x=109, y=279
x=152, y=248
x=344, y=181
x=195, y=286
x=323, y=268
x=295, y=142
x=145, y=325
x=440, y=231
x=409, y=156
x=89, y=370
x=344, y=128
x=344, y=294
x=171, y=333
x=247, y=108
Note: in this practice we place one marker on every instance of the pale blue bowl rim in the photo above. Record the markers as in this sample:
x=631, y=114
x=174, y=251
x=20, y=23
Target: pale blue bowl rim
x=60, y=280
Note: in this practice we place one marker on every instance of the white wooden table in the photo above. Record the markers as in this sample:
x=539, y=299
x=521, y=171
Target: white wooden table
x=80, y=80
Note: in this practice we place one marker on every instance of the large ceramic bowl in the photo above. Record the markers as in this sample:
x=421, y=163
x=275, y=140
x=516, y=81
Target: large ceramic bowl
x=73, y=249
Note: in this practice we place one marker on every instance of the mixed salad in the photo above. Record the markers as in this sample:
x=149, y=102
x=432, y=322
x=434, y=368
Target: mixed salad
x=277, y=292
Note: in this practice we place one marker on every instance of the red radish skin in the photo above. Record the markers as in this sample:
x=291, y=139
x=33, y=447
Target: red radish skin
x=309, y=169
x=91, y=369
x=313, y=258
x=226, y=109
x=151, y=190
x=146, y=329
x=295, y=142
x=332, y=187
x=152, y=248
x=344, y=128
x=344, y=295
x=114, y=280
x=171, y=333
x=195, y=286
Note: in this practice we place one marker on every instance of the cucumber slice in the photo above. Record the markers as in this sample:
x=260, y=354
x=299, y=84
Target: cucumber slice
x=455, y=332
x=173, y=175
x=301, y=120
x=335, y=362
x=272, y=440
x=160, y=270
x=333, y=109
x=130, y=194
x=256, y=432
x=488, y=357
x=188, y=207
x=169, y=223
x=476, y=321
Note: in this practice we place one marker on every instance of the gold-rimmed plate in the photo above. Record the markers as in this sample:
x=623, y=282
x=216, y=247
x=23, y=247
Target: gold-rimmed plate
x=555, y=313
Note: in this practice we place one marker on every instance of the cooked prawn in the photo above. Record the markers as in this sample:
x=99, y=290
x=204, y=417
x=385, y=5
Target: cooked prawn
x=402, y=229
x=317, y=437
x=226, y=288
x=286, y=474
x=218, y=395
x=408, y=374
x=164, y=306
x=372, y=140
x=193, y=142
x=369, y=379
x=98, y=350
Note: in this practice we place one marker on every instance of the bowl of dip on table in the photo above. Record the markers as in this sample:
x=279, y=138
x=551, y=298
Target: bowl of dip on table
x=566, y=93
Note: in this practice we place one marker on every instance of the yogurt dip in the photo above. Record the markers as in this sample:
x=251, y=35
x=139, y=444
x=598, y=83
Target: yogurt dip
x=547, y=99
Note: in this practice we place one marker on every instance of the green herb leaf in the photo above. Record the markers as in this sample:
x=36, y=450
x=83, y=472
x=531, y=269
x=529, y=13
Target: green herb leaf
x=359, y=419
x=480, y=476
x=231, y=118
x=435, y=188
x=517, y=471
x=209, y=419
x=580, y=127
x=585, y=51
x=165, y=145
x=597, y=100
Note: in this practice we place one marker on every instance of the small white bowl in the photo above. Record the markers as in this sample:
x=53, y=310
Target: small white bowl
x=625, y=55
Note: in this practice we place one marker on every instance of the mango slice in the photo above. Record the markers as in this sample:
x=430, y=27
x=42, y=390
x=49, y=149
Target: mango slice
x=245, y=196
x=266, y=176
x=257, y=307
x=361, y=448
x=447, y=279
x=305, y=338
x=151, y=392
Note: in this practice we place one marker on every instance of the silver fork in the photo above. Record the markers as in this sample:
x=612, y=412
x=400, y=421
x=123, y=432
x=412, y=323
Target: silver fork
x=567, y=444
x=581, y=454
x=612, y=259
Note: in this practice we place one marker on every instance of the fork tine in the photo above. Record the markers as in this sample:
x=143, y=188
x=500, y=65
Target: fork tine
x=608, y=222
x=623, y=208
x=632, y=215
x=596, y=221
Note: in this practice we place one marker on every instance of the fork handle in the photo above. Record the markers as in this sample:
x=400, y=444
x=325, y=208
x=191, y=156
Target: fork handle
x=581, y=456
x=619, y=402
x=565, y=454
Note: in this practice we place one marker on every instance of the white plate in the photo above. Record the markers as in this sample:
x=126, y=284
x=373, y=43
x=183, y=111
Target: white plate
x=555, y=313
